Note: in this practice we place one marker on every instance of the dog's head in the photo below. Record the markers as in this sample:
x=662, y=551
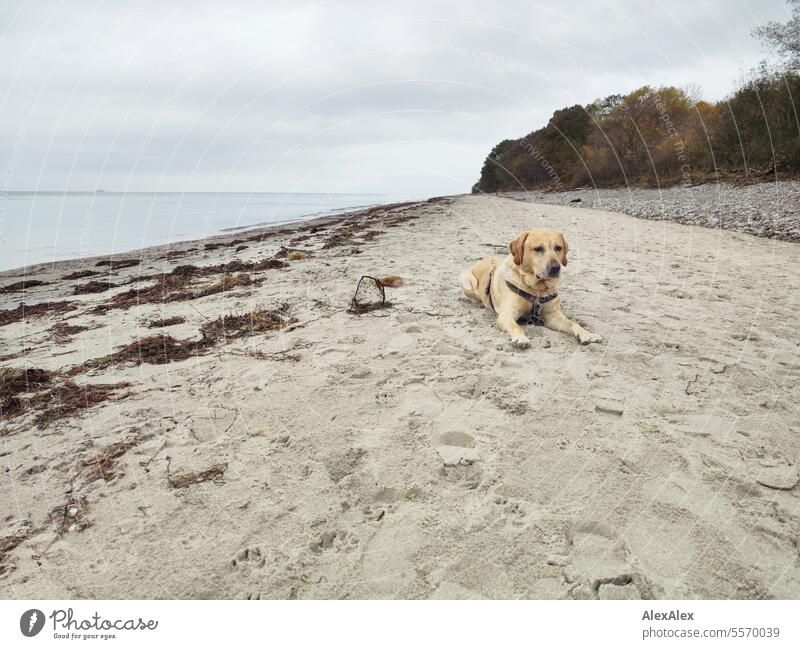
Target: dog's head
x=539, y=254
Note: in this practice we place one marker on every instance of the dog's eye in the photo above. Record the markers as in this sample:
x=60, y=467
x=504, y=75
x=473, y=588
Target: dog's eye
x=538, y=249
x=558, y=248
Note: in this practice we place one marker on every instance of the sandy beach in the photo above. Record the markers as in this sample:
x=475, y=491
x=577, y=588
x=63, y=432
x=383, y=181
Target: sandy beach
x=207, y=420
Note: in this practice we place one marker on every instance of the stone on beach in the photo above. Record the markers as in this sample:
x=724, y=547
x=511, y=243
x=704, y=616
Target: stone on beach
x=784, y=477
x=610, y=406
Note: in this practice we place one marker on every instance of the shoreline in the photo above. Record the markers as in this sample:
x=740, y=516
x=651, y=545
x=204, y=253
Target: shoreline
x=227, y=234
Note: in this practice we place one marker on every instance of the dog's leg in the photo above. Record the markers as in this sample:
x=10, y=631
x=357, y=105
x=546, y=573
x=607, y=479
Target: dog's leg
x=557, y=321
x=469, y=284
x=507, y=321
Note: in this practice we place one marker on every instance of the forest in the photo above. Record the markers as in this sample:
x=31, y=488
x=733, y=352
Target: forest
x=665, y=136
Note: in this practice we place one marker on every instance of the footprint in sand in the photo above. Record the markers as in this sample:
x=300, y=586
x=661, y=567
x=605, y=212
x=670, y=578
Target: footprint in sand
x=399, y=343
x=599, y=566
x=457, y=438
x=512, y=512
x=338, y=541
x=332, y=355
x=378, y=512
x=421, y=401
x=468, y=476
x=248, y=558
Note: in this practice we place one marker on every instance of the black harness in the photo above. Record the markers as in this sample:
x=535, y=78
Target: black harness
x=535, y=316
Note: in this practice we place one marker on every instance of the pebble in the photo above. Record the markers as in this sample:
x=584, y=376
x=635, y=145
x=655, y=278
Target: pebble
x=768, y=209
x=784, y=477
x=611, y=407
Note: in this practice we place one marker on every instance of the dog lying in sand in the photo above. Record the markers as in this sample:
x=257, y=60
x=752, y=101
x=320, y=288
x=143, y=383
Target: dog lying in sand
x=524, y=285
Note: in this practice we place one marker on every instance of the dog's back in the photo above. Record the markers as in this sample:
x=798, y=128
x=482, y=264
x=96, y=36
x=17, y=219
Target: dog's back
x=475, y=280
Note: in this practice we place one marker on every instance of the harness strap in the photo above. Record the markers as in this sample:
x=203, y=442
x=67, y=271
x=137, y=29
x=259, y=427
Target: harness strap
x=533, y=299
x=535, y=316
x=489, y=292
x=536, y=301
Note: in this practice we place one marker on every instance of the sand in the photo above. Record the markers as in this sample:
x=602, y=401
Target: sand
x=411, y=452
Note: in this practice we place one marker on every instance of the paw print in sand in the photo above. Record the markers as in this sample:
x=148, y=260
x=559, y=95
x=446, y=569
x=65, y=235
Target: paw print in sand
x=338, y=541
x=513, y=512
x=248, y=558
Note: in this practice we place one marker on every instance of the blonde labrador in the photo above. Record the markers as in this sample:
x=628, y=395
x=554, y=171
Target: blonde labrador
x=525, y=284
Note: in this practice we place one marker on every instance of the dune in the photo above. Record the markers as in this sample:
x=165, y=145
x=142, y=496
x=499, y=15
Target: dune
x=212, y=420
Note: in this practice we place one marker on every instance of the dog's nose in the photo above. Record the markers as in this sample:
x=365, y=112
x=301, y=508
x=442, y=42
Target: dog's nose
x=555, y=269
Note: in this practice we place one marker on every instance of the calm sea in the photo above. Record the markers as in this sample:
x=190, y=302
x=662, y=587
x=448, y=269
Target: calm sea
x=41, y=227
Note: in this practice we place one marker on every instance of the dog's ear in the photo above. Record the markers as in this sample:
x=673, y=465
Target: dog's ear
x=517, y=248
x=564, y=250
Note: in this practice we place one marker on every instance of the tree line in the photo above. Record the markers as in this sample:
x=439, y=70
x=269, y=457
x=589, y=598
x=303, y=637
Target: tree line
x=664, y=136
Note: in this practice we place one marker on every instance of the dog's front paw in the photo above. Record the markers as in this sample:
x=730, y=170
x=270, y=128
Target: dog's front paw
x=585, y=337
x=521, y=343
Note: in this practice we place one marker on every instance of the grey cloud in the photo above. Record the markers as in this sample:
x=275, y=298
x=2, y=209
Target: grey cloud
x=373, y=96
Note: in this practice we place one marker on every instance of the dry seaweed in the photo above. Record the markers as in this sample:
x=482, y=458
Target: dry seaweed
x=9, y=316
x=70, y=399
x=174, y=254
x=292, y=254
x=12, y=406
x=63, y=332
x=223, y=244
x=168, y=288
x=370, y=235
x=176, y=285
x=18, y=380
x=214, y=473
x=340, y=238
x=23, y=285
x=7, y=544
x=103, y=465
x=14, y=355
x=94, y=287
x=158, y=349
x=245, y=324
x=51, y=402
x=234, y=266
x=71, y=517
x=81, y=274
x=166, y=322
x=391, y=281
x=15, y=382
x=226, y=283
x=119, y=263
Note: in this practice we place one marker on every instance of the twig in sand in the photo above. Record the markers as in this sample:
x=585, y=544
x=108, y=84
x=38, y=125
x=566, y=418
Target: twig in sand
x=369, y=295
x=146, y=463
x=198, y=311
x=281, y=355
x=690, y=383
x=214, y=473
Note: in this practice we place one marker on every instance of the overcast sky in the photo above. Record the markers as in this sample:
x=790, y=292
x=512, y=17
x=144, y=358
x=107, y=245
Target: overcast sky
x=329, y=96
